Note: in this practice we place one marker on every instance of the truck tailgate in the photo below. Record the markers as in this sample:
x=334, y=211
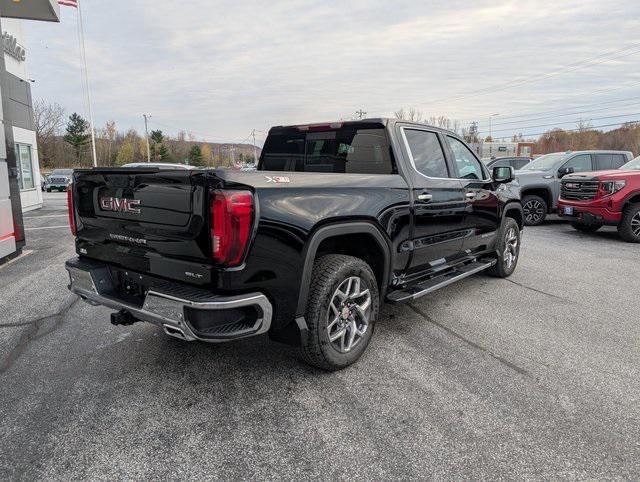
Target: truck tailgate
x=136, y=218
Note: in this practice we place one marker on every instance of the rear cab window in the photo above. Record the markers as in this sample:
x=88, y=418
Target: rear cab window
x=360, y=148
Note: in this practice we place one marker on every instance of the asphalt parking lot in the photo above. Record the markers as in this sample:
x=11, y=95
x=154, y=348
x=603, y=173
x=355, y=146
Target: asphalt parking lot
x=537, y=376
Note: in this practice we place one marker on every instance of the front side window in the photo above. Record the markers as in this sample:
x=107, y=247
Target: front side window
x=25, y=166
x=466, y=163
x=427, y=153
x=580, y=163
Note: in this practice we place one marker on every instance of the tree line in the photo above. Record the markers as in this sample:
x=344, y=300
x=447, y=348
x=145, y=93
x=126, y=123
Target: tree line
x=66, y=142
x=583, y=137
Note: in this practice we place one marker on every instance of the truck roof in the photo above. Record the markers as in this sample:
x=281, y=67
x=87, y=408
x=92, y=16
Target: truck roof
x=385, y=121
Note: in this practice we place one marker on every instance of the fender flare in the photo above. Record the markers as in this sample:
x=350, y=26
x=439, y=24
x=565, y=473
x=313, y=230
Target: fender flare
x=340, y=229
x=513, y=206
x=542, y=187
x=627, y=199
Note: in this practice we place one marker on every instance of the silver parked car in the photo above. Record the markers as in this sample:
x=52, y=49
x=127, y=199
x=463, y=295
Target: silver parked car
x=59, y=180
x=540, y=179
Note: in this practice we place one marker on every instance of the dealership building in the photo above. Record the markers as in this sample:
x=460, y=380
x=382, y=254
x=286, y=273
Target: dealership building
x=19, y=166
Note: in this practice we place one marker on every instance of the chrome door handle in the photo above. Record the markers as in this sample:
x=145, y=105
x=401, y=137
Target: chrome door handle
x=470, y=195
x=425, y=197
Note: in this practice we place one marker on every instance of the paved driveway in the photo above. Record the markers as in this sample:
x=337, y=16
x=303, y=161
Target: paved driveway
x=537, y=376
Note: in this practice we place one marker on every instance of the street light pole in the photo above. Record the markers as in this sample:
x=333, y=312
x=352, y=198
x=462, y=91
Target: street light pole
x=146, y=131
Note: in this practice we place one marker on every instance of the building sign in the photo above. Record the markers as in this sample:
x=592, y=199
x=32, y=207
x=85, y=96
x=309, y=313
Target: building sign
x=13, y=48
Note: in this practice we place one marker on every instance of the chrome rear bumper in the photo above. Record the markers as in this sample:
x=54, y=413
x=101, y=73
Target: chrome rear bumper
x=92, y=281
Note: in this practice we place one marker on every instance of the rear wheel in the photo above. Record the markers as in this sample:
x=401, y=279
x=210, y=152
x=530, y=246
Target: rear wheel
x=629, y=227
x=535, y=210
x=586, y=228
x=508, y=250
x=341, y=312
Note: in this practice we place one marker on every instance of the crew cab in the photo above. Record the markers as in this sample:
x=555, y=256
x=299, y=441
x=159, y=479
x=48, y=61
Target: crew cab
x=591, y=200
x=337, y=218
x=59, y=180
x=540, y=179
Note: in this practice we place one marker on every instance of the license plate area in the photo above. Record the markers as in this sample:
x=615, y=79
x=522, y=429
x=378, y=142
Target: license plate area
x=568, y=210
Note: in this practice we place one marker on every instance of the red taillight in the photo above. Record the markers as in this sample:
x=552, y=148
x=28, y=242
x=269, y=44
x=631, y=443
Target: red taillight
x=319, y=127
x=71, y=211
x=231, y=213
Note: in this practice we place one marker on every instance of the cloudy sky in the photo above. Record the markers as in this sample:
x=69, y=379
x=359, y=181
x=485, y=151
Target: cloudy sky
x=221, y=68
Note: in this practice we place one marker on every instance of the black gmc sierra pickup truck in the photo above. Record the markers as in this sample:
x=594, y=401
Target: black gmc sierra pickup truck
x=337, y=218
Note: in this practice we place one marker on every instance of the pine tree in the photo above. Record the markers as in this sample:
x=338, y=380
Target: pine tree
x=77, y=135
x=195, y=156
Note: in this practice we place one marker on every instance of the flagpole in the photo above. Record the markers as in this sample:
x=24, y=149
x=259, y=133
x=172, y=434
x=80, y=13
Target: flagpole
x=83, y=53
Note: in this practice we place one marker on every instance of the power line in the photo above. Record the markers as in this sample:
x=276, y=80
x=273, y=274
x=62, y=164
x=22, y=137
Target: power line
x=598, y=59
x=566, y=122
x=513, y=123
x=617, y=124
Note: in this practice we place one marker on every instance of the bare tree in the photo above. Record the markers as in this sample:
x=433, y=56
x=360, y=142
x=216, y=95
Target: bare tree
x=49, y=120
x=110, y=132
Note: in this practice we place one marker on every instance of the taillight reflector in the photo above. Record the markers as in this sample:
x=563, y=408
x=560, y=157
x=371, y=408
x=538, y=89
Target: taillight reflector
x=231, y=216
x=71, y=211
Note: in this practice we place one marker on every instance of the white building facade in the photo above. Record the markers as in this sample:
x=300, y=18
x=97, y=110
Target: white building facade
x=24, y=135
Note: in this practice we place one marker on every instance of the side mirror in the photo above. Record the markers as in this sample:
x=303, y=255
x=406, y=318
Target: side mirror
x=503, y=174
x=565, y=170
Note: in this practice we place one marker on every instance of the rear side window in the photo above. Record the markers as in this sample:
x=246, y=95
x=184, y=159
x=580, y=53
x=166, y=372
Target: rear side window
x=609, y=161
x=350, y=150
x=519, y=163
x=427, y=153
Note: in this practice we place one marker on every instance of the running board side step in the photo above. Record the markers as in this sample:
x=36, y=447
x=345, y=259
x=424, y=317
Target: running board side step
x=437, y=282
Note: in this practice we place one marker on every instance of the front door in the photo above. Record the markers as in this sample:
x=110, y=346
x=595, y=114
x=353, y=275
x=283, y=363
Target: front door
x=482, y=219
x=439, y=202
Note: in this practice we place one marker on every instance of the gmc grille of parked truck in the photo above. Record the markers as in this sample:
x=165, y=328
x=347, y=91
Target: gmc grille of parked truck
x=336, y=219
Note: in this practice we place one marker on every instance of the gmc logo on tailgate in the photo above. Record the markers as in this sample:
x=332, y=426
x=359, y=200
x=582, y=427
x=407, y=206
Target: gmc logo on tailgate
x=120, y=205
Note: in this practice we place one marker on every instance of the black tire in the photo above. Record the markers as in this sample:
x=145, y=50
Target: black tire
x=629, y=227
x=586, y=228
x=330, y=273
x=535, y=210
x=506, y=265
x=48, y=189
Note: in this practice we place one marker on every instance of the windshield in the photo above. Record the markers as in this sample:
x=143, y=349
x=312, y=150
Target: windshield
x=62, y=172
x=632, y=165
x=544, y=163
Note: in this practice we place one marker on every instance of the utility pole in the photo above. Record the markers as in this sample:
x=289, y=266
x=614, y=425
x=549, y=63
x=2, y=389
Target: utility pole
x=490, y=144
x=146, y=131
x=255, y=153
x=361, y=113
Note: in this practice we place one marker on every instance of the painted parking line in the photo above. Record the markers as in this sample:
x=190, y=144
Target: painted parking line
x=42, y=217
x=48, y=227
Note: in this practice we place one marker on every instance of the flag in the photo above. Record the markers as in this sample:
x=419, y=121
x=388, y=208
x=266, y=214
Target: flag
x=69, y=3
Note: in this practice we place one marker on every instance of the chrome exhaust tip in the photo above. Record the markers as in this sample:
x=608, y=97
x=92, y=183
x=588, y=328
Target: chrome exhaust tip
x=175, y=332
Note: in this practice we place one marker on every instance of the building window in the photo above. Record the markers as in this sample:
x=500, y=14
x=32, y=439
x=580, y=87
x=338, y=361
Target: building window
x=25, y=167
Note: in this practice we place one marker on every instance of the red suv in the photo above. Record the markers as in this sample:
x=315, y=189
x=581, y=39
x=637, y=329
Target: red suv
x=591, y=200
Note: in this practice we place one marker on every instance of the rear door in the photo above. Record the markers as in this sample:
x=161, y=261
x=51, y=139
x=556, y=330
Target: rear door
x=439, y=201
x=482, y=207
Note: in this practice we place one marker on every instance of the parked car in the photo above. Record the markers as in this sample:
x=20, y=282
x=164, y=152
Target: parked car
x=43, y=182
x=338, y=218
x=515, y=162
x=591, y=200
x=540, y=179
x=59, y=180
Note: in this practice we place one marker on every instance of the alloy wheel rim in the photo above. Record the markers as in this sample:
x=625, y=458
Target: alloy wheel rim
x=348, y=314
x=533, y=211
x=635, y=224
x=510, y=254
